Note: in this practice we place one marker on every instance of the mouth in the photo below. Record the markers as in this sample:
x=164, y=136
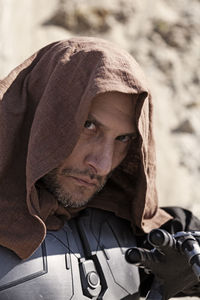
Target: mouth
x=84, y=181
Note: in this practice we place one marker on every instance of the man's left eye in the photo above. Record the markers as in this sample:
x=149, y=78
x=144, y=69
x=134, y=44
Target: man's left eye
x=89, y=125
x=124, y=138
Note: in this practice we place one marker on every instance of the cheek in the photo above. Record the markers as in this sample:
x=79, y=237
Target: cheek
x=77, y=155
x=120, y=153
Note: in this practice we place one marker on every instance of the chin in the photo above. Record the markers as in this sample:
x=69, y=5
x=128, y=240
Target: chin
x=73, y=202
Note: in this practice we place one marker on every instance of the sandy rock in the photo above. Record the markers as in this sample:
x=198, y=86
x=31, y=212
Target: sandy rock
x=184, y=127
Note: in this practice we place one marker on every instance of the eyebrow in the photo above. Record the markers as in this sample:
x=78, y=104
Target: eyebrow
x=97, y=122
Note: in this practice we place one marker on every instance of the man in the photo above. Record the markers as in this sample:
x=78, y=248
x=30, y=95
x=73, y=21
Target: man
x=101, y=147
x=77, y=168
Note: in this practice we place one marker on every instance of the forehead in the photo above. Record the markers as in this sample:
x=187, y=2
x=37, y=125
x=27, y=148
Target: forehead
x=114, y=109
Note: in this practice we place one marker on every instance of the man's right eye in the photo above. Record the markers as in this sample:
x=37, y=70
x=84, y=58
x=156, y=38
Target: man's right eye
x=89, y=125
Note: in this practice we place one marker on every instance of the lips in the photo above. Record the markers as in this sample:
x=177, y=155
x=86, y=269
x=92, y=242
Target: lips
x=84, y=181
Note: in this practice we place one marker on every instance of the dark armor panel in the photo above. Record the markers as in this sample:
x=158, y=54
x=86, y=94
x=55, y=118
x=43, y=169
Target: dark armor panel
x=83, y=260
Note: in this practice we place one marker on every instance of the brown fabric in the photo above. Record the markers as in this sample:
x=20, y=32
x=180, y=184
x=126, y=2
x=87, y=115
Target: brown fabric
x=45, y=102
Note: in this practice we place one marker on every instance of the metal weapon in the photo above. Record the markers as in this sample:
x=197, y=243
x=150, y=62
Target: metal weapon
x=187, y=243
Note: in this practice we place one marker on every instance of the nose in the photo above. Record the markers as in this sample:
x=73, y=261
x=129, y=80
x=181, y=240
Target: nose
x=100, y=159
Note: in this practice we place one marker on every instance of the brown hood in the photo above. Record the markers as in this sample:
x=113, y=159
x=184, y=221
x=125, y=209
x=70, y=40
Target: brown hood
x=45, y=102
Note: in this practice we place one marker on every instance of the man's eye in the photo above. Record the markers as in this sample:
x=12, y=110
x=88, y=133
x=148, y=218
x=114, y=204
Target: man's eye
x=89, y=125
x=124, y=138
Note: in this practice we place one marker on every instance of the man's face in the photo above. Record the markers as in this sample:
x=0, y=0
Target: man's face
x=103, y=144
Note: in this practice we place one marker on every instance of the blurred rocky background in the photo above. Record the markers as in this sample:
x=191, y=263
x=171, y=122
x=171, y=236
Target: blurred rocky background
x=164, y=37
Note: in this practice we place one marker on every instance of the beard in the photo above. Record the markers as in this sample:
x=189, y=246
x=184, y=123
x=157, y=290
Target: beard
x=78, y=196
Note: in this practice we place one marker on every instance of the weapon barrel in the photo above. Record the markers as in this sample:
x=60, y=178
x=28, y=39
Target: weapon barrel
x=160, y=238
x=190, y=246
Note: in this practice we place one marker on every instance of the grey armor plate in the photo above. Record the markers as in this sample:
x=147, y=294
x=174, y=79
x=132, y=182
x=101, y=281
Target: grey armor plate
x=83, y=260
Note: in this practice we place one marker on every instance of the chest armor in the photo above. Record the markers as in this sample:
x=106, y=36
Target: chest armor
x=83, y=260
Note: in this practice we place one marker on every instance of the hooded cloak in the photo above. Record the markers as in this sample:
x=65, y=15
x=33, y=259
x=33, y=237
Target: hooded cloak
x=44, y=104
